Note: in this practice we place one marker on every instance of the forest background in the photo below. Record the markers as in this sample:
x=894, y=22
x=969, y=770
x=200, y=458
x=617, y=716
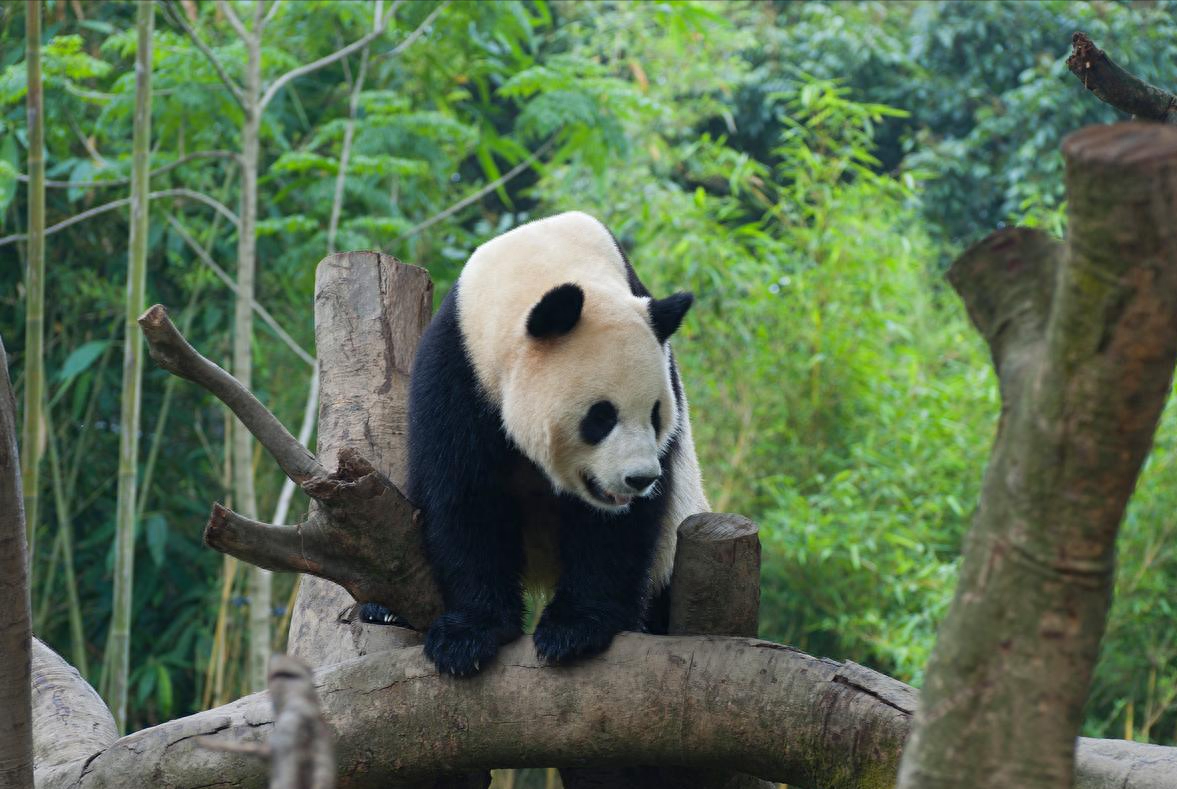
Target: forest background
x=807, y=169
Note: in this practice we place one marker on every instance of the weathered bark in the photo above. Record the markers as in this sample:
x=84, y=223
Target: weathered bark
x=31, y=438
x=118, y=642
x=1118, y=87
x=71, y=723
x=716, y=586
x=1118, y=763
x=802, y=720
x=1084, y=341
x=371, y=309
x=16, y=725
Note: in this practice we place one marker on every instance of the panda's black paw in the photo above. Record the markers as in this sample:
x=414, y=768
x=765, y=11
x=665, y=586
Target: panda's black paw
x=565, y=633
x=459, y=644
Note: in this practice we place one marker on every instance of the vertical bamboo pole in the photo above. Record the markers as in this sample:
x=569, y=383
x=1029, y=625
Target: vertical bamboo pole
x=32, y=430
x=119, y=643
x=260, y=581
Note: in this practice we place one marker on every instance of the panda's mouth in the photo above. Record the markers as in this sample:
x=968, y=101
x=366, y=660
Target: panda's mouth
x=600, y=494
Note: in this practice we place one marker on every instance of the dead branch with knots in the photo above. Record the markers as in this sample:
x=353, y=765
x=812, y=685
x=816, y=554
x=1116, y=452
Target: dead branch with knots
x=1118, y=87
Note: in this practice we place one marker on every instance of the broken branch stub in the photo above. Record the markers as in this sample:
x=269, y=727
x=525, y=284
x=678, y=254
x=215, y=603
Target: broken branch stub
x=360, y=533
x=1118, y=87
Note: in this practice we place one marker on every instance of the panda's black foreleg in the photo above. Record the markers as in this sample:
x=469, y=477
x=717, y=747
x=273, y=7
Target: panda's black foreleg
x=476, y=552
x=604, y=579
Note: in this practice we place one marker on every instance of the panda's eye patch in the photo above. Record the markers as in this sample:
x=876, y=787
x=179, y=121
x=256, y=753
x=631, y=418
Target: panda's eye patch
x=656, y=416
x=598, y=422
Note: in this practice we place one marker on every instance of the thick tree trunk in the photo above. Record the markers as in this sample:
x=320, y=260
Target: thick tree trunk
x=118, y=647
x=1084, y=340
x=372, y=310
x=16, y=725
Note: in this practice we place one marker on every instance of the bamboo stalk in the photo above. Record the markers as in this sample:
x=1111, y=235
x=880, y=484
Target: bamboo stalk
x=119, y=641
x=32, y=435
x=65, y=540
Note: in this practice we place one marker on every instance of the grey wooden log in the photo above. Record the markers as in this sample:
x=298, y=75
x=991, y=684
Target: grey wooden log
x=71, y=722
x=707, y=701
x=16, y=725
x=1084, y=339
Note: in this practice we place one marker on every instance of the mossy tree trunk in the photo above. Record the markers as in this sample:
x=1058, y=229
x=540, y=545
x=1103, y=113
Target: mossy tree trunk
x=1084, y=339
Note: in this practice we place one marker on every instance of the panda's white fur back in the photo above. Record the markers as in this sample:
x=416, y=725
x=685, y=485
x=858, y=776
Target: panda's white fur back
x=499, y=285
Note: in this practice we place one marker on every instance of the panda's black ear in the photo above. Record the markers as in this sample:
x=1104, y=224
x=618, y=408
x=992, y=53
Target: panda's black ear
x=666, y=314
x=557, y=312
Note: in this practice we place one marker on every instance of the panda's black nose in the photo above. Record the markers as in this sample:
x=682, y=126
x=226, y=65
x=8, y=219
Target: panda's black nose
x=640, y=483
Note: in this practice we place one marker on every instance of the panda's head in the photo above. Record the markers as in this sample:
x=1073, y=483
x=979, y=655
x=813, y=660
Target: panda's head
x=590, y=398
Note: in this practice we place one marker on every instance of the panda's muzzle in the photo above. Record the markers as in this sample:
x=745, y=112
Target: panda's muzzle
x=601, y=495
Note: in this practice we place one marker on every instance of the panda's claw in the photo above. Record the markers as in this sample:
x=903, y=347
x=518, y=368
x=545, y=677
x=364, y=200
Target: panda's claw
x=563, y=636
x=460, y=646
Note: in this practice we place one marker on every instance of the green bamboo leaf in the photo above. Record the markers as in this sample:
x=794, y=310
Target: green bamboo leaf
x=80, y=360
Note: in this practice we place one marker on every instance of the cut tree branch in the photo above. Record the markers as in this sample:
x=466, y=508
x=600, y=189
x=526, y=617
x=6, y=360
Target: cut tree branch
x=354, y=46
x=172, y=352
x=233, y=88
x=1118, y=87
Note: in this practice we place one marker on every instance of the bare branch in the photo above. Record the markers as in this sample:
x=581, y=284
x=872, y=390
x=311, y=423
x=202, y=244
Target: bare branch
x=1114, y=85
x=234, y=21
x=355, y=46
x=347, y=539
x=178, y=19
x=262, y=312
x=479, y=194
x=172, y=352
x=124, y=181
x=270, y=12
x=122, y=201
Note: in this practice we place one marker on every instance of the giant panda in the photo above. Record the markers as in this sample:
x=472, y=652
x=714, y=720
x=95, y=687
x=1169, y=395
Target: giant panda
x=549, y=445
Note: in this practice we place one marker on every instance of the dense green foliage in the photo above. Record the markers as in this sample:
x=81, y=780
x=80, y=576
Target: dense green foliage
x=806, y=168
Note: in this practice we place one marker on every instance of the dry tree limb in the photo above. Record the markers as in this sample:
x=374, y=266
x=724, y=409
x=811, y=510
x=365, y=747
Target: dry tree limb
x=1084, y=339
x=16, y=724
x=360, y=533
x=172, y=352
x=1114, y=85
